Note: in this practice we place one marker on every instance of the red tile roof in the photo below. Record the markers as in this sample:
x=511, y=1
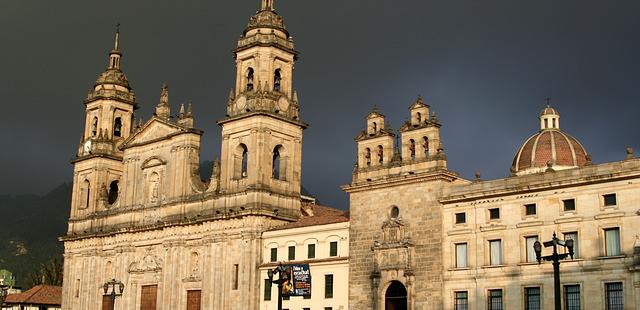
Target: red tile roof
x=313, y=215
x=37, y=295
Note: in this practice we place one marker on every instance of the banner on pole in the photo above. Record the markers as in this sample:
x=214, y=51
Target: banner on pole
x=299, y=281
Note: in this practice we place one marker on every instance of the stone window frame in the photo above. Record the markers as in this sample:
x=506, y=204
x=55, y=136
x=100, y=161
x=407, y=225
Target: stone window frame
x=523, y=246
x=498, y=219
x=603, y=242
x=562, y=210
x=492, y=288
x=455, y=291
x=563, y=292
x=455, y=218
x=523, y=292
x=603, y=289
x=487, y=250
x=524, y=210
x=578, y=232
x=604, y=206
x=454, y=254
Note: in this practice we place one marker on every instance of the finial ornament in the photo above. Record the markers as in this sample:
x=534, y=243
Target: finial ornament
x=117, y=41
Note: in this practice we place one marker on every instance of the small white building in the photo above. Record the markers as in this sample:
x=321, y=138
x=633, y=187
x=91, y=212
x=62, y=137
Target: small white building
x=321, y=239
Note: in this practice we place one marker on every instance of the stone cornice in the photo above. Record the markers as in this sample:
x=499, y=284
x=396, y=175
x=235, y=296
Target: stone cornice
x=597, y=174
x=442, y=175
x=263, y=113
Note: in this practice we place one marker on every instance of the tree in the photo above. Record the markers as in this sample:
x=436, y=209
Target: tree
x=50, y=273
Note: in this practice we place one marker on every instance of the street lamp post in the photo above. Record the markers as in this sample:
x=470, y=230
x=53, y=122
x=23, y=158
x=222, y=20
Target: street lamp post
x=117, y=288
x=283, y=277
x=555, y=258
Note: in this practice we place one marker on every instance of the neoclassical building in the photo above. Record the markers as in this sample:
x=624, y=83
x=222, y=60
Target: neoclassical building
x=421, y=237
x=417, y=235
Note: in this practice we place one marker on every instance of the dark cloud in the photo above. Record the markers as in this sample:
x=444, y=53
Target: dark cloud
x=484, y=66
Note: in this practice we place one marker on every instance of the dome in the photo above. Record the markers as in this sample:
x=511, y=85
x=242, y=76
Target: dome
x=549, y=148
x=113, y=76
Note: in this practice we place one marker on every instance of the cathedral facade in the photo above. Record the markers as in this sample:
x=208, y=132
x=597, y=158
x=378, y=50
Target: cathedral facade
x=417, y=235
x=140, y=212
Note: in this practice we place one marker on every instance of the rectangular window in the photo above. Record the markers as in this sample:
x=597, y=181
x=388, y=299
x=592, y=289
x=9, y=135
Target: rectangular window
x=609, y=200
x=148, y=297
x=576, y=244
x=530, y=209
x=532, y=298
x=612, y=241
x=461, y=218
x=494, y=214
x=495, y=252
x=495, y=300
x=236, y=270
x=572, y=297
x=286, y=297
x=614, y=296
x=328, y=286
x=328, y=308
x=267, y=289
x=569, y=205
x=531, y=253
x=333, y=248
x=462, y=301
x=292, y=252
x=306, y=297
x=306, y=308
x=461, y=255
x=274, y=254
x=311, y=251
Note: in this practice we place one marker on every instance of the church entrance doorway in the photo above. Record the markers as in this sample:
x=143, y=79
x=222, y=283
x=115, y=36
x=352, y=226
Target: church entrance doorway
x=396, y=297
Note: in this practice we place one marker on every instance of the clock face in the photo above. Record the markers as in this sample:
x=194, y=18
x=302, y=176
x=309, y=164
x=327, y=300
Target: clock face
x=87, y=146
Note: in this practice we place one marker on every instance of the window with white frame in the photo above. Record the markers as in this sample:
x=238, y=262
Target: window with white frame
x=495, y=252
x=531, y=254
x=612, y=241
x=461, y=255
x=576, y=243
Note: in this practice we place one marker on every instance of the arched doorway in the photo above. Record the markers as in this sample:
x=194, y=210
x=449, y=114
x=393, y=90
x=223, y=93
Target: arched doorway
x=396, y=297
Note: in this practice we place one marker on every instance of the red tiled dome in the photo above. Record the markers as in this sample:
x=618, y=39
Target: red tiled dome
x=549, y=147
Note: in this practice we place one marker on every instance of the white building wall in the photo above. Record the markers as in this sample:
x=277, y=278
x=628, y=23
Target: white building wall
x=321, y=265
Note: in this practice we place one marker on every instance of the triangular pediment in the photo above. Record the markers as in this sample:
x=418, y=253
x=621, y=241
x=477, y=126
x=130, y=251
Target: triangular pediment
x=154, y=130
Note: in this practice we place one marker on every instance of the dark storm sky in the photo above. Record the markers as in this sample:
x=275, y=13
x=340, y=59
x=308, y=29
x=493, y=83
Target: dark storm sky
x=485, y=68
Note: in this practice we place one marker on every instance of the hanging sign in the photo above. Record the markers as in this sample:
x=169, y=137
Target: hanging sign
x=298, y=281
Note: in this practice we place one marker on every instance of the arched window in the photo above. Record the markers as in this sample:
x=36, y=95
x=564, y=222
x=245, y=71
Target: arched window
x=419, y=117
x=546, y=123
x=425, y=146
x=94, y=126
x=277, y=80
x=380, y=154
x=113, y=192
x=245, y=159
x=375, y=127
x=412, y=149
x=250, y=79
x=117, y=127
x=367, y=156
x=275, y=173
x=85, y=194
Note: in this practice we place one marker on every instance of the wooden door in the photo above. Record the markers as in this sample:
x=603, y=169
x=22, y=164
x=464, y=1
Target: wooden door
x=193, y=300
x=149, y=297
x=107, y=302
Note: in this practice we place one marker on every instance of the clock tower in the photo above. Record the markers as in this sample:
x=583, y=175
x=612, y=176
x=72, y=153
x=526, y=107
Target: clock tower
x=109, y=108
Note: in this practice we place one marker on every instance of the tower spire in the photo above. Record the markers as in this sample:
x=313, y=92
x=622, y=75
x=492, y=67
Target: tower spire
x=114, y=55
x=267, y=5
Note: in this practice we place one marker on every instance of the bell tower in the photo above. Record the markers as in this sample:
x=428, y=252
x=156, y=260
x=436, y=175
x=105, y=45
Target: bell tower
x=109, y=108
x=262, y=133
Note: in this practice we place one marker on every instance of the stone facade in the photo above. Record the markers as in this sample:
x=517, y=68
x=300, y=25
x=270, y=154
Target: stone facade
x=140, y=212
x=458, y=244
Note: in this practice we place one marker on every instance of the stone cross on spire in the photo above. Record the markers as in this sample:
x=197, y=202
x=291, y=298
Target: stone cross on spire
x=267, y=5
x=162, y=109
